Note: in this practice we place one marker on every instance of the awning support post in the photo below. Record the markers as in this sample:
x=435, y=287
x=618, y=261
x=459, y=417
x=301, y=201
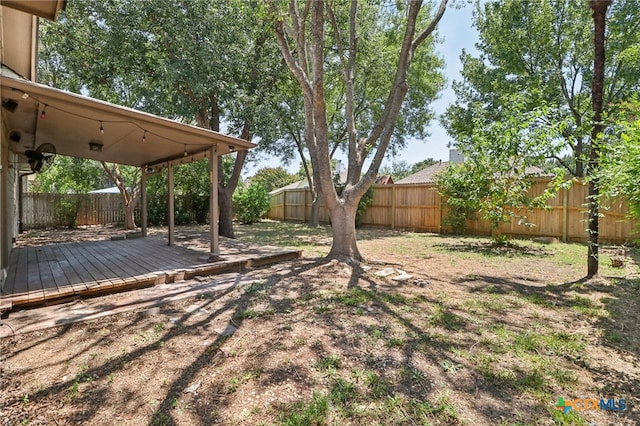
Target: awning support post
x=171, y=206
x=214, y=254
x=143, y=199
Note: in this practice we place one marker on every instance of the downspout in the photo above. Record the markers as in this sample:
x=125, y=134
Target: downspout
x=20, y=207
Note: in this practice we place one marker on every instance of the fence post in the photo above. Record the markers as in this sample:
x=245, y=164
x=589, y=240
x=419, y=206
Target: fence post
x=393, y=206
x=439, y=206
x=565, y=214
x=304, y=212
x=284, y=205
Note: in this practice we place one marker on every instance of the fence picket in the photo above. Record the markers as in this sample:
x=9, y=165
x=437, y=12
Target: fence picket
x=419, y=207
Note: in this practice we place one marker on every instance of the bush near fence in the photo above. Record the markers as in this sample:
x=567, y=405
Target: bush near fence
x=41, y=210
x=419, y=207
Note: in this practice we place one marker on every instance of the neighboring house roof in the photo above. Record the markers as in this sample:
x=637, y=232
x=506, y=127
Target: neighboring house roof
x=426, y=175
x=295, y=185
x=381, y=180
x=112, y=190
x=384, y=180
x=429, y=174
x=536, y=171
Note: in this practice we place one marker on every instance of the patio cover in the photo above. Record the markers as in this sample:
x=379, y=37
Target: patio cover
x=83, y=127
x=119, y=135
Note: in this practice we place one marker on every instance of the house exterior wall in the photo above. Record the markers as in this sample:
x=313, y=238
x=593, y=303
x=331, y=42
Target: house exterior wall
x=4, y=203
x=18, y=38
x=9, y=197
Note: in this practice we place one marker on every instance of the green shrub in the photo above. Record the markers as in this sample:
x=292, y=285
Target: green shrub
x=251, y=203
x=67, y=209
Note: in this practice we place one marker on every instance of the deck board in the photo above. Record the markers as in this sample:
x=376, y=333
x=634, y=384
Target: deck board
x=73, y=267
x=10, y=280
x=37, y=274
x=108, y=258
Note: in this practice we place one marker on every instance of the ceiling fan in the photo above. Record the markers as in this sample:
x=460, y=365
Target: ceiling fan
x=42, y=157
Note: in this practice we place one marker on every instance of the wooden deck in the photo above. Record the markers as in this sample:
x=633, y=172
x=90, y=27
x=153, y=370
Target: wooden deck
x=38, y=275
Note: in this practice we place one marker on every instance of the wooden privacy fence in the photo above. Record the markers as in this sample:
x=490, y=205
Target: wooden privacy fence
x=51, y=210
x=420, y=207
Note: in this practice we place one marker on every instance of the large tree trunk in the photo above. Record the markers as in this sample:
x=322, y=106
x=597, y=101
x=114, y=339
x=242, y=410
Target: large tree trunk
x=599, y=8
x=578, y=153
x=316, y=192
x=129, y=218
x=314, y=219
x=343, y=224
x=306, y=61
x=225, y=224
x=129, y=199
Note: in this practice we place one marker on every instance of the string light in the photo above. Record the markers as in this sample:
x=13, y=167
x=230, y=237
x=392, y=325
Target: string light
x=185, y=151
x=43, y=115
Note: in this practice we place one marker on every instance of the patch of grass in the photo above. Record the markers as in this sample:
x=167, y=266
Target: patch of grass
x=571, y=418
x=257, y=288
x=377, y=333
x=322, y=306
x=73, y=390
x=613, y=336
x=443, y=409
x=354, y=297
x=328, y=364
x=313, y=240
x=394, y=298
x=450, y=366
x=565, y=378
x=412, y=374
x=538, y=299
x=342, y=392
x=251, y=313
x=563, y=343
x=313, y=413
x=238, y=381
x=378, y=386
x=533, y=380
x=475, y=306
x=394, y=343
x=585, y=306
x=527, y=342
x=443, y=317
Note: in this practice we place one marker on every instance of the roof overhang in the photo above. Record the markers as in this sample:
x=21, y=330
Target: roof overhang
x=43, y=8
x=73, y=123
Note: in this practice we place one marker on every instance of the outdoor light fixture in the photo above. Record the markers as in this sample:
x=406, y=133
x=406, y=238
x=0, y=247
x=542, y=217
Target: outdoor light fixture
x=9, y=104
x=43, y=115
x=232, y=148
x=95, y=146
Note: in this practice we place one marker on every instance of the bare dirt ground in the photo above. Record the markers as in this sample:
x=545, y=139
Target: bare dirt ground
x=478, y=335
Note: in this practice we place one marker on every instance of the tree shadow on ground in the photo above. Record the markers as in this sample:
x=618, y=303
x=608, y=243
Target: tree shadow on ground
x=490, y=248
x=330, y=327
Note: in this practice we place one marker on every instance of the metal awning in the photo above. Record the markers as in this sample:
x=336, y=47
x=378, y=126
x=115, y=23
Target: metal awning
x=84, y=127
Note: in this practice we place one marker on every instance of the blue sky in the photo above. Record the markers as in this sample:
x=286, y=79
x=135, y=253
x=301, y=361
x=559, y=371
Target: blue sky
x=457, y=33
